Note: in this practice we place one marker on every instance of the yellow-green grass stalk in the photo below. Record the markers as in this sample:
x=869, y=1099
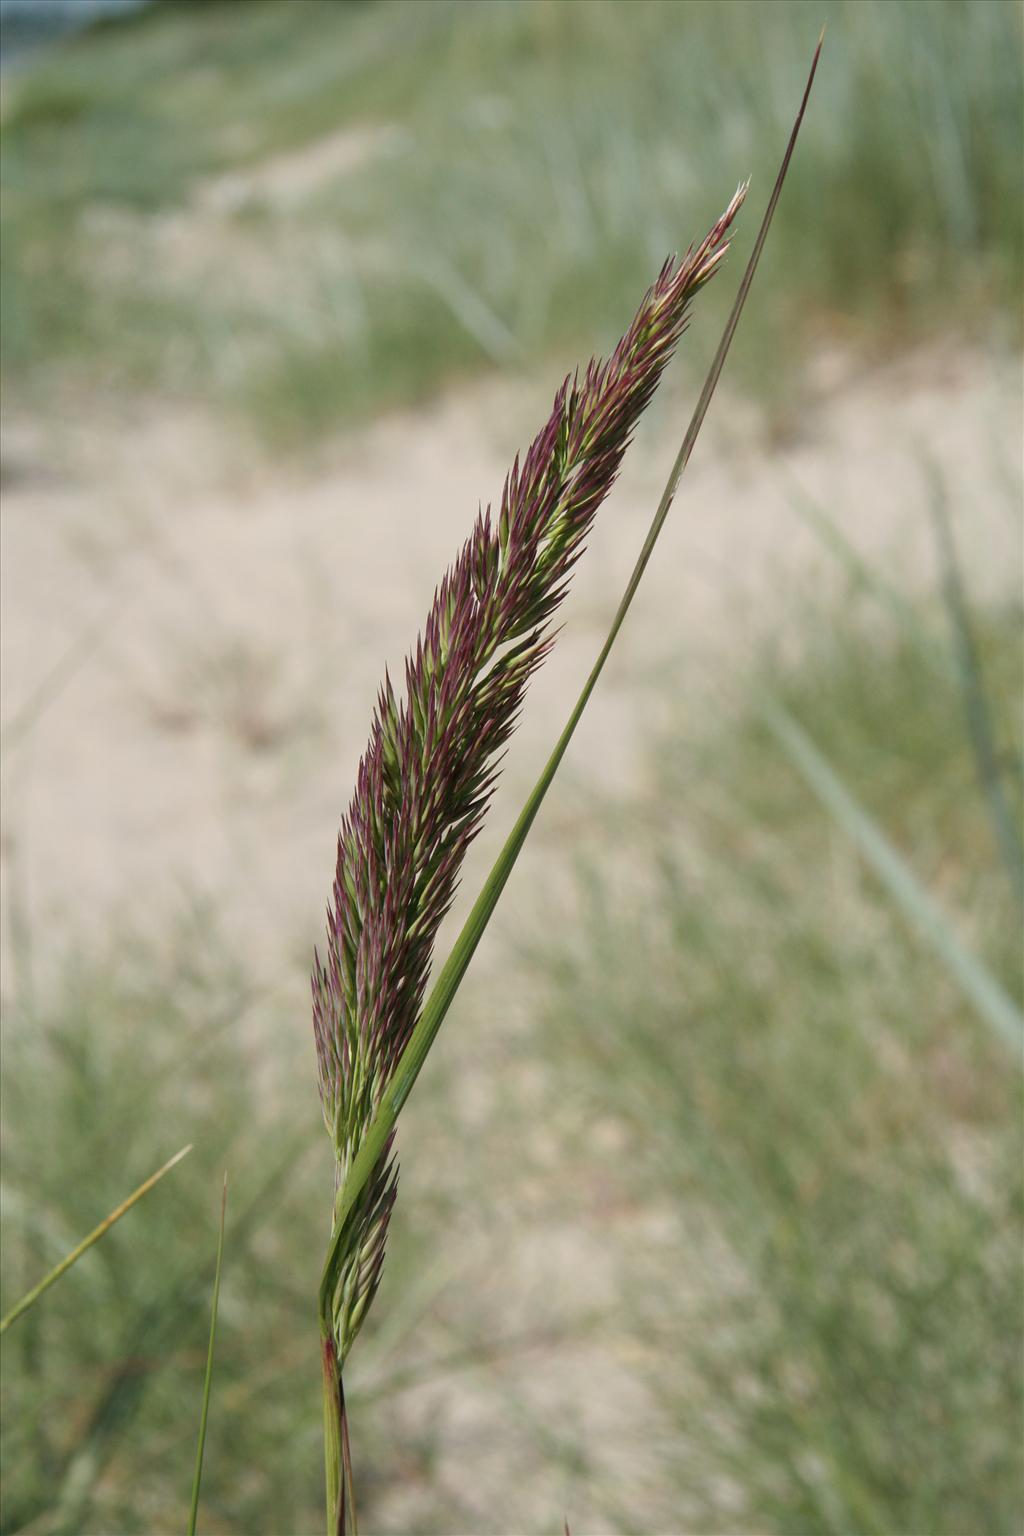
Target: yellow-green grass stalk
x=61, y=1269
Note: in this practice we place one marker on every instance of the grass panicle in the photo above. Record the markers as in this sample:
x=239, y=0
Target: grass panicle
x=426, y=777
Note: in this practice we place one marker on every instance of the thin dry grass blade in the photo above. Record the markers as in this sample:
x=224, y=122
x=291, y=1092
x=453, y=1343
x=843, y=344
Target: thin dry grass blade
x=94, y=1236
x=208, y=1379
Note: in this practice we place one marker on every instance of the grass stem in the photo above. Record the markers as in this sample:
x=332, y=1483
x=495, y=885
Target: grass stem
x=334, y=1490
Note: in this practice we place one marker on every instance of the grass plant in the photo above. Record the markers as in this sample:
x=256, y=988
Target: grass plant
x=426, y=777
x=423, y=788
x=796, y=1089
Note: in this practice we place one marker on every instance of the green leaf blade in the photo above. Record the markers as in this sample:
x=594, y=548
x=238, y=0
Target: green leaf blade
x=975, y=980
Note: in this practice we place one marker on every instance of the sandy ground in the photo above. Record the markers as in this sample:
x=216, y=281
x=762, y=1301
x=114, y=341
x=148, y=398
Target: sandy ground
x=192, y=636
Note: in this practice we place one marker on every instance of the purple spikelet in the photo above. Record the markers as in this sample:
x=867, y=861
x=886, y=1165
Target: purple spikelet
x=428, y=771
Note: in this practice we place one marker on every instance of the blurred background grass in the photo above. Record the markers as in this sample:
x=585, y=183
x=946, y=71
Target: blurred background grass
x=835, y=1144
x=388, y=196
x=732, y=1108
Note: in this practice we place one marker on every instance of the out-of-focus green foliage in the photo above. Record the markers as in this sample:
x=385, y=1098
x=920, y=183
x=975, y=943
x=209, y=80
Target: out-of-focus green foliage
x=833, y=1323
x=128, y=1052
x=312, y=211
x=101, y=1379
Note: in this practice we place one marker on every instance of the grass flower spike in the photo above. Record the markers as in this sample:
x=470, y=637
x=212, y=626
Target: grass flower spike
x=428, y=771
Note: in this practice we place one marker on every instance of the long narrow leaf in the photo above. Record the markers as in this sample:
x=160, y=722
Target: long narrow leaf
x=980, y=729
x=208, y=1379
x=454, y=969
x=94, y=1236
x=974, y=979
x=867, y=577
